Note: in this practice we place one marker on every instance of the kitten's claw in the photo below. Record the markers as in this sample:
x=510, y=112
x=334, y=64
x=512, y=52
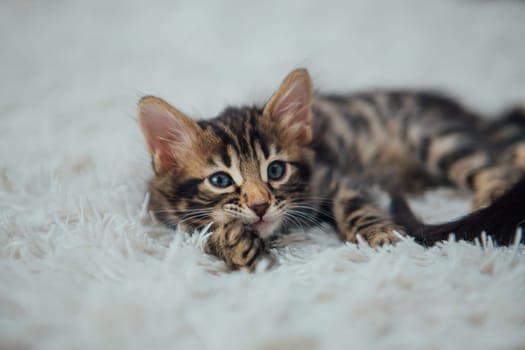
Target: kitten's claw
x=381, y=234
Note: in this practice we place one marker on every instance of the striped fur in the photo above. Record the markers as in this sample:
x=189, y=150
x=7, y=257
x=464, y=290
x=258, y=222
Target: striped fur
x=330, y=150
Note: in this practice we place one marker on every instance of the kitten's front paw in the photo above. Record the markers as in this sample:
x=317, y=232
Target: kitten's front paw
x=238, y=245
x=246, y=252
x=381, y=234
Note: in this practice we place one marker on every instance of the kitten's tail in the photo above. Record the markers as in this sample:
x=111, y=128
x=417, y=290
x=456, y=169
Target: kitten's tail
x=500, y=220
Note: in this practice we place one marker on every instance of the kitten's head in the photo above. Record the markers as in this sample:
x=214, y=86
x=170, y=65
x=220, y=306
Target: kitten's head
x=247, y=164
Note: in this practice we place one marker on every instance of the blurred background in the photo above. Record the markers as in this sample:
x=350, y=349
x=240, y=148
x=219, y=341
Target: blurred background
x=72, y=71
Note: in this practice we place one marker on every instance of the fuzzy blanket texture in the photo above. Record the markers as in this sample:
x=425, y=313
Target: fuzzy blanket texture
x=83, y=266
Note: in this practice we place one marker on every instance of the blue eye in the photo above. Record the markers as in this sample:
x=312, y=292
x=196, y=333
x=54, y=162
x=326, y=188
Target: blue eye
x=276, y=170
x=221, y=179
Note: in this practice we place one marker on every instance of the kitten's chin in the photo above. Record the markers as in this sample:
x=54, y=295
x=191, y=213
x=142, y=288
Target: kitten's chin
x=265, y=228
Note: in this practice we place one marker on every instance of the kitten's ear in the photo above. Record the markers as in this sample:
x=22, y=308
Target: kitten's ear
x=169, y=134
x=290, y=107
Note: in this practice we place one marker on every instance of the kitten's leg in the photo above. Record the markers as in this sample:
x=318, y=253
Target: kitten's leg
x=517, y=156
x=237, y=244
x=507, y=133
x=466, y=159
x=354, y=211
x=480, y=173
x=355, y=214
x=506, y=137
x=488, y=182
x=491, y=183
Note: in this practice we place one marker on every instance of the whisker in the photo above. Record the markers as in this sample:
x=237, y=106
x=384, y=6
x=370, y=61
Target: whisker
x=301, y=215
x=321, y=199
x=183, y=211
x=305, y=217
x=297, y=222
x=193, y=217
x=313, y=209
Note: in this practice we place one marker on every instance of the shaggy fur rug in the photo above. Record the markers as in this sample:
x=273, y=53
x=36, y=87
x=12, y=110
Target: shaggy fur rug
x=83, y=266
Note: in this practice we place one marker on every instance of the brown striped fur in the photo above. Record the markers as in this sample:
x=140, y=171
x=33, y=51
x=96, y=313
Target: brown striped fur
x=332, y=149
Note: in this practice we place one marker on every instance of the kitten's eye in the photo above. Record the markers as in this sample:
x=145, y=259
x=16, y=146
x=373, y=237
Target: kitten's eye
x=276, y=170
x=221, y=179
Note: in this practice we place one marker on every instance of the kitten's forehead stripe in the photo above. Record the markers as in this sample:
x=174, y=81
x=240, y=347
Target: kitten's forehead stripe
x=264, y=149
x=253, y=134
x=241, y=128
x=222, y=132
x=235, y=169
x=234, y=122
x=226, y=159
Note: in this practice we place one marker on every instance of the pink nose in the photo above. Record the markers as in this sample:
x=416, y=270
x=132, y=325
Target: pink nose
x=260, y=208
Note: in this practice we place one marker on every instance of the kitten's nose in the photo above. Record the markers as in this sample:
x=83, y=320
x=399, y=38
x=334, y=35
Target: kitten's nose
x=260, y=208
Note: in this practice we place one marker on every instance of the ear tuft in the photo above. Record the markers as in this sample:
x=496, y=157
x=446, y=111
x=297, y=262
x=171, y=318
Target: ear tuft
x=290, y=108
x=168, y=133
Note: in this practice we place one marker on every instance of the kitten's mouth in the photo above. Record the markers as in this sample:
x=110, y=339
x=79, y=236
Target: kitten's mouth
x=261, y=224
x=264, y=227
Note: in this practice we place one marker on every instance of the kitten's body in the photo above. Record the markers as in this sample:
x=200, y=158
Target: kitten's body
x=305, y=159
x=405, y=139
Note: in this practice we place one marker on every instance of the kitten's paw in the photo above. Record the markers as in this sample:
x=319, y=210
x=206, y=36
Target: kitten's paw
x=247, y=252
x=492, y=184
x=241, y=246
x=518, y=156
x=381, y=234
x=484, y=198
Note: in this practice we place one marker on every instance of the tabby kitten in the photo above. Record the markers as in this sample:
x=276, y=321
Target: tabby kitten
x=304, y=159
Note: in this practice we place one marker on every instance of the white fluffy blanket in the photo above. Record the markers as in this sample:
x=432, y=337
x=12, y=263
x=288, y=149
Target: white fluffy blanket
x=83, y=267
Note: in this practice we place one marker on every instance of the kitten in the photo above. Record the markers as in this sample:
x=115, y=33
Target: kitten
x=304, y=159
